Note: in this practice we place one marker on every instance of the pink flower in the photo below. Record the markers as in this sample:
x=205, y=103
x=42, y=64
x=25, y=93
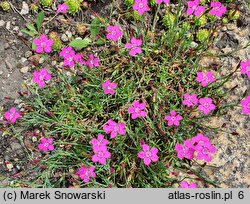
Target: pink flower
x=185, y=184
x=245, y=103
x=160, y=1
x=109, y=87
x=46, y=144
x=79, y=58
x=114, y=32
x=41, y=76
x=217, y=9
x=134, y=46
x=113, y=128
x=43, y=44
x=206, y=105
x=173, y=118
x=148, y=155
x=137, y=110
x=101, y=154
x=245, y=68
x=141, y=6
x=11, y=116
x=194, y=7
x=186, y=150
x=92, y=62
x=203, y=147
x=69, y=56
x=205, y=78
x=62, y=8
x=190, y=100
x=99, y=142
x=86, y=173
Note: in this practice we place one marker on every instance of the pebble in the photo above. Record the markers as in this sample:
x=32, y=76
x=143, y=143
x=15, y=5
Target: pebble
x=8, y=25
x=64, y=38
x=1, y=72
x=24, y=70
x=68, y=33
x=2, y=23
x=25, y=8
x=28, y=54
x=16, y=28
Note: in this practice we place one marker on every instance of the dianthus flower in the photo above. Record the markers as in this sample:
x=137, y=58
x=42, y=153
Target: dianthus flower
x=99, y=142
x=41, y=76
x=109, y=87
x=217, y=9
x=160, y=1
x=245, y=68
x=69, y=56
x=195, y=8
x=148, y=155
x=101, y=154
x=86, y=173
x=43, y=44
x=245, y=103
x=46, y=144
x=137, y=110
x=141, y=6
x=173, y=118
x=206, y=105
x=190, y=100
x=79, y=58
x=62, y=8
x=134, y=46
x=186, y=150
x=11, y=116
x=185, y=184
x=114, y=32
x=205, y=78
x=92, y=62
x=113, y=128
x=203, y=147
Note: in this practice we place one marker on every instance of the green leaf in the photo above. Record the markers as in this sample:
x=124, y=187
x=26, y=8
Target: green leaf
x=28, y=32
x=100, y=41
x=39, y=20
x=95, y=26
x=33, y=46
x=32, y=28
x=79, y=43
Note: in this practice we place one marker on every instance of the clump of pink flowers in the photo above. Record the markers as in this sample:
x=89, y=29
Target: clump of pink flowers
x=185, y=184
x=100, y=149
x=205, y=78
x=114, y=32
x=148, y=154
x=86, y=173
x=206, y=105
x=173, y=119
x=11, y=116
x=134, y=46
x=217, y=9
x=109, y=87
x=190, y=100
x=43, y=44
x=41, y=76
x=62, y=8
x=195, y=8
x=114, y=128
x=137, y=110
x=141, y=6
x=92, y=61
x=68, y=55
x=160, y=1
x=245, y=103
x=199, y=146
x=46, y=144
x=245, y=68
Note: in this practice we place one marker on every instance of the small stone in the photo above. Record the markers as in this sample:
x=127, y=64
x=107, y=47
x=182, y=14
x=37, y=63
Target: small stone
x=64, y=38
x=41, y=60
x=68, y=33
x=46, y=31
x=28, y=54
x=54, y=63
x=2, y=23
x=24, y=70
x=6, y=46
x=193, y=44
x=1, y=72
x=25, y=8
x=8, y=25
x=16, y=28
